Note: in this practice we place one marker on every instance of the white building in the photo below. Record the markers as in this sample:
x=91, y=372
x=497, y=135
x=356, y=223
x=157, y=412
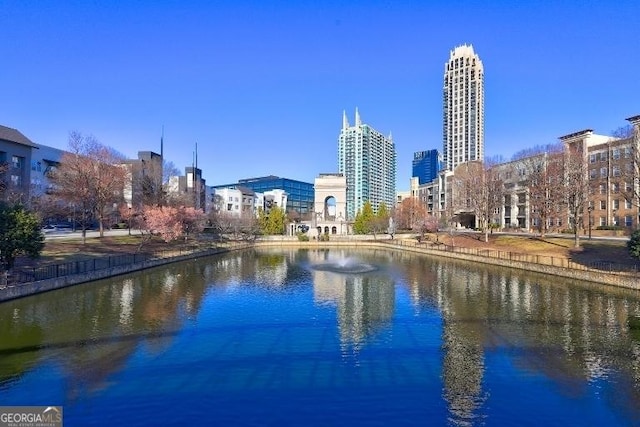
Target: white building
x=463, y=108
x=238, y=200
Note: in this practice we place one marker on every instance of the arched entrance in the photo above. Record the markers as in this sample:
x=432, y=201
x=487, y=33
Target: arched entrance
x=329, y=210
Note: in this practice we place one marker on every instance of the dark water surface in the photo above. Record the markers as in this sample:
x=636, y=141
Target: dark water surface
x=335, y=337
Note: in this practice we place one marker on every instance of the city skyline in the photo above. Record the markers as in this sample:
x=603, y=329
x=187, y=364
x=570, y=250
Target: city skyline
x=260, y=86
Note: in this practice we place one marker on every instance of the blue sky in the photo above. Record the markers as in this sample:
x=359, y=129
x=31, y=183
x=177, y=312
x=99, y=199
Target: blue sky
x=260, y=86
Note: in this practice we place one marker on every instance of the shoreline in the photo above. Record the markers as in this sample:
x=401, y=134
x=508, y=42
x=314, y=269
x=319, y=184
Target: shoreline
x=629, y=280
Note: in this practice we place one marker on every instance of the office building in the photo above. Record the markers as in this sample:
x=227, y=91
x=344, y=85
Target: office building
x=426, y=165
x=299, y=195
x=367, y=159
x=463, y=108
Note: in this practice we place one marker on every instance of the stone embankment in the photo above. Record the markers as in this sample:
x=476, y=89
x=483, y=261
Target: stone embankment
x=563, y=268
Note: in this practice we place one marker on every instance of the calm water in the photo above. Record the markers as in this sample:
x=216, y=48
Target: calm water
x=269, y=338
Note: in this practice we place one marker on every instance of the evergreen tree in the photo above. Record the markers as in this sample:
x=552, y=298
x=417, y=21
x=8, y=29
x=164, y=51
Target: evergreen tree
x=364, y=220
x=634, y=244
x=20, y=235
x=273, y=221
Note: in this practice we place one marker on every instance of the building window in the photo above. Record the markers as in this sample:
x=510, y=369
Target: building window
x=616, y=153
x=16, y=162
x=603, y=172
x=616, y=204
x=628, y=204
x=615, y=187
x=592, y=158
x=603, y=221
x=616, y=171
x=616, y=220
x=603, y=204
x=628, y=221
x=627, y=152
x=603, y=189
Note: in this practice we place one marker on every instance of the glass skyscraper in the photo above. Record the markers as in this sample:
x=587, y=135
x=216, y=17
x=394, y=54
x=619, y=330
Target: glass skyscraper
x=463, y=108
x=367, y=159
x=426, y=165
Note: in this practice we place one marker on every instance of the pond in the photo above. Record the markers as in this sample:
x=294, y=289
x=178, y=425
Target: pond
x=325, y=337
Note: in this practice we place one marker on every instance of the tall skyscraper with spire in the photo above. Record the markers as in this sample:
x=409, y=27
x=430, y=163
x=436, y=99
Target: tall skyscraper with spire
x=463, y=102
x=367, y=159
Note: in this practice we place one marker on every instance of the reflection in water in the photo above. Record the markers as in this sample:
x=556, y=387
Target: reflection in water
x=265, y=321
x=365, y=300
x=569, y=332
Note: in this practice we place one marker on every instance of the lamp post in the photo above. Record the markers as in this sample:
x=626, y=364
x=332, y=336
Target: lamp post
x=590, y=209
x=129, y=218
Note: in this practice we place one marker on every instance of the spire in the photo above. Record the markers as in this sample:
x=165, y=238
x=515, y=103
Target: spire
x=162, y=143
x=345, y=122
x=358, y=121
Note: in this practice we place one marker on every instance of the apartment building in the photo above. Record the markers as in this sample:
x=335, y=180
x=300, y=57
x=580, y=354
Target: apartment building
x=367, y=159
x=463, y=108
x=15, y=164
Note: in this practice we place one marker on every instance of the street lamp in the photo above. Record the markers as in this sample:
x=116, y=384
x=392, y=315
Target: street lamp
x=129, y=217
x=590, y=209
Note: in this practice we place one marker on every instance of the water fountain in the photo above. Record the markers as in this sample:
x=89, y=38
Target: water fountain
x=347, y=265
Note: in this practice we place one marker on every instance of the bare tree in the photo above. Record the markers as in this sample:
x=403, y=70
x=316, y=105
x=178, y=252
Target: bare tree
x=408, y=213
x=478, y=189
x=237, y=227
x=4, y=167
x=91, y=177
x=576, y=188
x=544, y=178
x=630, y=170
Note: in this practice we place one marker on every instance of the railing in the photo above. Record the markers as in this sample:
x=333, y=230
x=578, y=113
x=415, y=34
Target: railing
x=52, y=271
x=603, y=266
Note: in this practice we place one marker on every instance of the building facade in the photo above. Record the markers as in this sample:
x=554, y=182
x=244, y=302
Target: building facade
x=425, y=166
x=367, y=159
x=15, y=164
x=463, y=108
x=299, y=194
x=190, y=189
x=43, y=161
x=144, y=183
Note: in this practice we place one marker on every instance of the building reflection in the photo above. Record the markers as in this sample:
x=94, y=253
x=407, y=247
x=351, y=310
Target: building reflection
x=365, y=302
x=569, y=332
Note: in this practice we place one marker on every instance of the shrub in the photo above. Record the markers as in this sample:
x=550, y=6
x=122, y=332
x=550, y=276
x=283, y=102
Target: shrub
x=302, y=237
x=634, y=244
x=609, y=227
x=323, y=237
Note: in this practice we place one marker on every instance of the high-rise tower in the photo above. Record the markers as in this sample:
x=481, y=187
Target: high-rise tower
x=463, y=108
x=367, y=159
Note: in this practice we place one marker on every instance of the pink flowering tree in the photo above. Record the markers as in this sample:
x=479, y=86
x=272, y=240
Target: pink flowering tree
x=171, y=223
